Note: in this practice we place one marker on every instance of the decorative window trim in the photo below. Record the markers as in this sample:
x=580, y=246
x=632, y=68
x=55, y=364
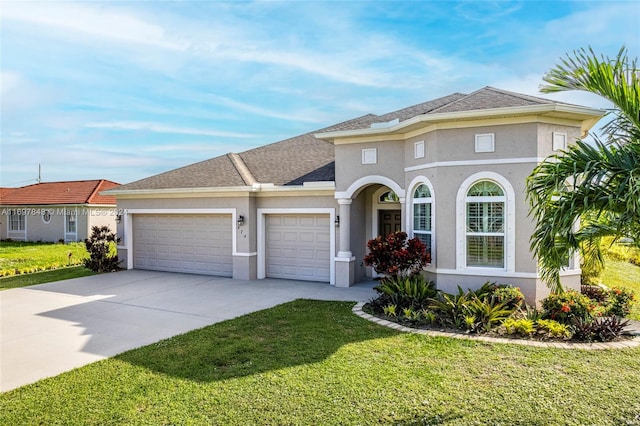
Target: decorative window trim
x=46, y=216
x=485, y=142
x=559, y=141
x=369, y=156
x=71, y=217
x=509, y=218
x=418, y=149
x=415, y=183
x=17, y=221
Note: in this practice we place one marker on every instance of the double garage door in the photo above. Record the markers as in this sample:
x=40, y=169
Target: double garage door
x=196, y=244
x=297, y=246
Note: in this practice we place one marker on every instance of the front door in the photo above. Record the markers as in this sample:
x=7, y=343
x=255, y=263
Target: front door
x=388, y=221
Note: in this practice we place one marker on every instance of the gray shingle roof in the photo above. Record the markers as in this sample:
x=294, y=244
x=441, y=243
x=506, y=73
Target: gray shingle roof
x=218, y=171
x=305, y=158
x=490, y=97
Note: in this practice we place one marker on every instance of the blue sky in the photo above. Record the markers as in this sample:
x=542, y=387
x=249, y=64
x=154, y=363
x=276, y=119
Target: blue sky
x=124, y=90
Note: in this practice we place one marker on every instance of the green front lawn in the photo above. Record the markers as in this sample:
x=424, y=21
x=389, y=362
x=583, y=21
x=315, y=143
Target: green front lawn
x=623, y=274
x=310, y=362
x=24, y=280
x=27, y=257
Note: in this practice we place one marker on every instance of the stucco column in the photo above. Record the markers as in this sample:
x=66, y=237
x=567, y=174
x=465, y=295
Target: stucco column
x=345, y=227
x=403, y=214
x=344, y=262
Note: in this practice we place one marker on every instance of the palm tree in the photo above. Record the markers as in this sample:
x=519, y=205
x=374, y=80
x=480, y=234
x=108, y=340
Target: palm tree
x=590, y=190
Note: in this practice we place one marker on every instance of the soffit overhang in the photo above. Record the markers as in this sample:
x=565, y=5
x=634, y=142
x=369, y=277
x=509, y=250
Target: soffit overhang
x=584, y=117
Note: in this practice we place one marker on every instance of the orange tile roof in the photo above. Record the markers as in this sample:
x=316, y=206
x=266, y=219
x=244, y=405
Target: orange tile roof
x=70, y=192
x=5, y=191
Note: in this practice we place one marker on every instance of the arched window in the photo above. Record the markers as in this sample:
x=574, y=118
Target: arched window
x=485, y=225
x=422, y=216
x=388, y=197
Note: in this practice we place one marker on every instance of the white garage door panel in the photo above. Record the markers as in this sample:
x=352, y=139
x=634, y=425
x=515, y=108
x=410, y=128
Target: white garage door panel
x=198, y=244
x=297, y=247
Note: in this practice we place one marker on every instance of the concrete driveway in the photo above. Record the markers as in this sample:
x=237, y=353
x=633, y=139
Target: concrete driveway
x=51, y=328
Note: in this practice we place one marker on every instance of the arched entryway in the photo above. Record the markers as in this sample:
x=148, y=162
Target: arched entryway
x=371, y=206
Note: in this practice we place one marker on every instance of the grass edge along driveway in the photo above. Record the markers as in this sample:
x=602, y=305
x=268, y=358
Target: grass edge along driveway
x=25, y=280
x=18, y=257
x=311, y=362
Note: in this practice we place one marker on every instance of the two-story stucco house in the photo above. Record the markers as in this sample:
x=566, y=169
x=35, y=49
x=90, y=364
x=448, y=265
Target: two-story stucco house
x=450, y=171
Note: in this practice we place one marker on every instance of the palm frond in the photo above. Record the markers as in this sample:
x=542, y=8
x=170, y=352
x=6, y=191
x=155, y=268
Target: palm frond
x=614, y=79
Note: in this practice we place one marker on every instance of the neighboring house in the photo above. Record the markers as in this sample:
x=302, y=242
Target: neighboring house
x=450, y=171
x=56, y=211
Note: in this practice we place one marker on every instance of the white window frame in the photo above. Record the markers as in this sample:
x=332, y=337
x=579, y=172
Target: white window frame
x=68, y=234
x=418, y=150
x=421, y=180
x=17, y=217
x=71, y=218
x=484, y=202
x=485, y=142
x=559, y=141
x=369, y=155
x=509, y=218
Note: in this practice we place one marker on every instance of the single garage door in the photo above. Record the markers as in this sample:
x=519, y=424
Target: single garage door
x=297, y=247
x=195, y=244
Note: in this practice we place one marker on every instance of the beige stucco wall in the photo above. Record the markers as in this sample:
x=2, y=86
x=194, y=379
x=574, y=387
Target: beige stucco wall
x=349, y=167
x=447, y=181
x=517, y=150
x=511, y=141
x=101, y=216
x=545, y=137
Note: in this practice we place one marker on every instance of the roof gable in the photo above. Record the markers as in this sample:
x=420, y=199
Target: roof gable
x=53, y=193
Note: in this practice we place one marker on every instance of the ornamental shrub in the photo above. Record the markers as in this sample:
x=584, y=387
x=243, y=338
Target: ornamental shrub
x=620, y=302
x=510, y=295
x=394, y=256
x=522, y=326
x=602, y=329
x=566, y=306
x=100, y=246
x=553, y=329
x=408, y=292
x=594, y=292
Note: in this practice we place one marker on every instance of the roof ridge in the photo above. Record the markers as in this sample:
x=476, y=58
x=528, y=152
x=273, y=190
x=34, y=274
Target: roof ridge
x=519, y=95
x=467, y=95
x=426, y=103
x=95, y=190
x=241, y=168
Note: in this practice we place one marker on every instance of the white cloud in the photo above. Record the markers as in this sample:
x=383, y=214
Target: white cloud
x=161, y=128
x=8, y=81
x=264, y=112
x=96, y=21
x=485, y=11
x=19, y=95
x=602, y=22
x=217, y=41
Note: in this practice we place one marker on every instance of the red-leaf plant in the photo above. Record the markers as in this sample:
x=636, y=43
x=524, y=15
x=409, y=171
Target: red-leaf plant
x=395, y=256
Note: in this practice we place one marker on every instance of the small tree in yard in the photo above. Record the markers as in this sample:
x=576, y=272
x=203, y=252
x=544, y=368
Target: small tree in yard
x=99, y=248
x=394, y=256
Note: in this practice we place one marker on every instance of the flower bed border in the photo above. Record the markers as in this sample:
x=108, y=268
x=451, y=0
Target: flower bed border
x=620, y=344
